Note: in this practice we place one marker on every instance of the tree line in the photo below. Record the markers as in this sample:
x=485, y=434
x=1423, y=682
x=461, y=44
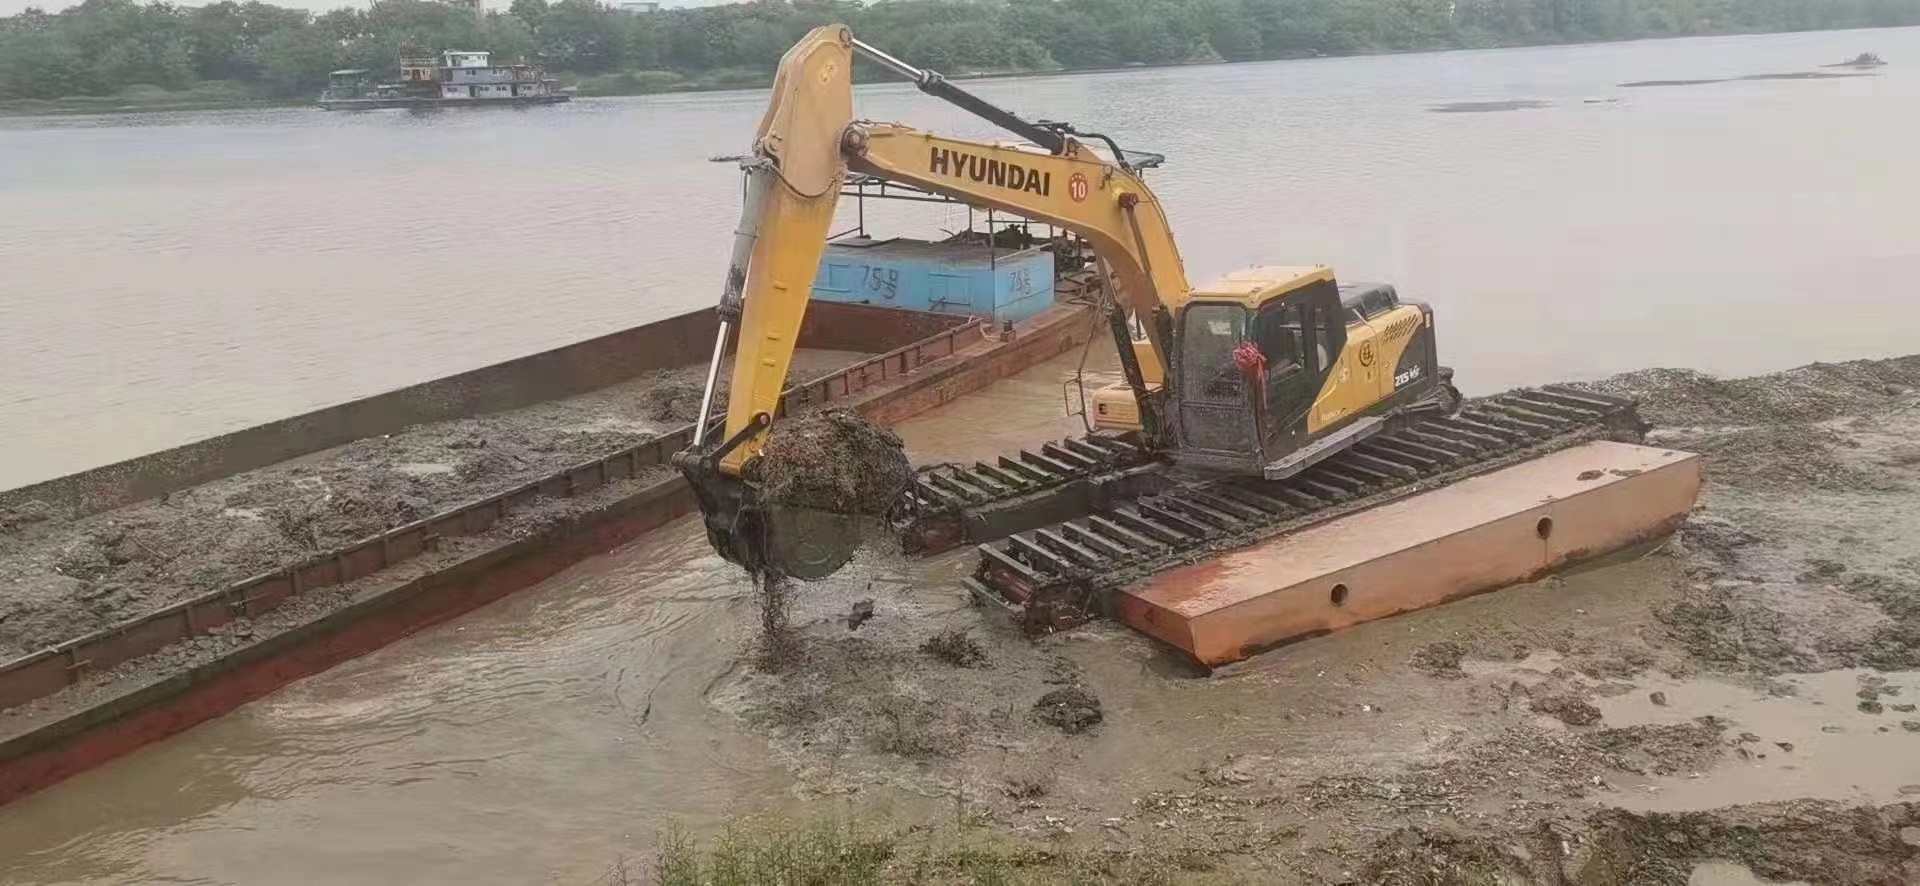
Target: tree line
x=102, y=47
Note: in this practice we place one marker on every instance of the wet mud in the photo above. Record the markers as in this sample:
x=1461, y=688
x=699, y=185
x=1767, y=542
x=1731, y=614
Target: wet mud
x=1613, y=725
x=61, y=578
x=833, y=460
x=1787, y=842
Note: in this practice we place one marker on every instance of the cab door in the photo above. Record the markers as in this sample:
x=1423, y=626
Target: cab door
x=1283, y=332
x=1213, y=396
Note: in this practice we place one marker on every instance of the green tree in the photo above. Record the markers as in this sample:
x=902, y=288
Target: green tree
x=646, y=42
x=32, y=66
x=295, y=61
x=1229, y=28
x=579, y=35
x=529, y=11
x=102, y=46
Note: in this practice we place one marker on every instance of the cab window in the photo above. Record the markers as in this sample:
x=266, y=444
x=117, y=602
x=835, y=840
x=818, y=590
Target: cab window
x=1210, y=333
x=1282, y=337
x=1330, y=333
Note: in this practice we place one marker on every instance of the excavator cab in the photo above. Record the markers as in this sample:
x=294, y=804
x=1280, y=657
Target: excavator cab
x=1276, y=371
x=1253, y=354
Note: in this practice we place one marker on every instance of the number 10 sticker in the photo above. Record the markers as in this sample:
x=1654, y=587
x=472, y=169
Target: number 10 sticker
x=1077, y=188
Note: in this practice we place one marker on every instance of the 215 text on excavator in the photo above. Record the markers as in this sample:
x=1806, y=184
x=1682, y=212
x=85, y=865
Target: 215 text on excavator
x=1272, y=400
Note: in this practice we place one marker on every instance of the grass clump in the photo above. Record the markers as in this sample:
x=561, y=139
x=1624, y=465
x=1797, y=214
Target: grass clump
x=819, y=853
x=835, y=853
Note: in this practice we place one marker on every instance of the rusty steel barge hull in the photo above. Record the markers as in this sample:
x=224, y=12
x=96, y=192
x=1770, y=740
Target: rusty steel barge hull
x=88, y=700
x=1513, y=525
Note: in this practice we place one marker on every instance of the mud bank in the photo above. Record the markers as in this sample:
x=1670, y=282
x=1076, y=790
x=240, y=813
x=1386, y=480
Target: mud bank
x=1665, y=715
x=60, y=578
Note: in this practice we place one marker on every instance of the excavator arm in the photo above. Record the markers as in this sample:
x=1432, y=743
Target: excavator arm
x=806, y=143
x=1073, y=188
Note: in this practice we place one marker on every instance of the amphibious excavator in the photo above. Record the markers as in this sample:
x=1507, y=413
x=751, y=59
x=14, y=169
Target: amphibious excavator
x=1246, y=404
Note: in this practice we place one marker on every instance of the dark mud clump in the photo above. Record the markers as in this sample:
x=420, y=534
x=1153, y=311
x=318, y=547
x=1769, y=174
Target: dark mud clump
x=1663, y=749
x=856, y=691
x=1802, y=840
x=1622, y=663
x=834, y=460
x=1716, y=537
x=1568, y=709
x=1797, y=841
x=1421, y=857
x=1441, y=659
x=1071, y=710
x=1790, y=456
x=955, y=648
x=24, y=514
x=917, y=727
x=1894, y=646
x=1764, y=433
x=675, y=396
x=1722, y=629
x=1817, y=392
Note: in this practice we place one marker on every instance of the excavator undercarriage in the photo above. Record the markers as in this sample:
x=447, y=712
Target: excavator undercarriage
x=1058, y=526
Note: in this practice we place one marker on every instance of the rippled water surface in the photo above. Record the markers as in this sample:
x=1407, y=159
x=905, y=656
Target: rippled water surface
x=168, y=277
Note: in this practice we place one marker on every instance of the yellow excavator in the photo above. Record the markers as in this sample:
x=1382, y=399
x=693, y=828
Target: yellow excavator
x=1262, y=374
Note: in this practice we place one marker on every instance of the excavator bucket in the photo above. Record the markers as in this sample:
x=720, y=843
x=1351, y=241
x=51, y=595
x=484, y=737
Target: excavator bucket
x=809, y=544
x=765, y=538
x=800, y=509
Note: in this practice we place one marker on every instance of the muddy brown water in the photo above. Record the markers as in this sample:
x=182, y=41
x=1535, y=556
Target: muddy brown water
x=588, y=693
x=151, y=295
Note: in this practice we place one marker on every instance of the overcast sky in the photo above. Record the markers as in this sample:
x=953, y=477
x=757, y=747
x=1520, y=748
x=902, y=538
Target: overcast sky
x=10, y=7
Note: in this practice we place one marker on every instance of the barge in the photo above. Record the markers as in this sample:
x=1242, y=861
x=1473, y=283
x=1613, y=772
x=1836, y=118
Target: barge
x=80, y=701
x=454, y=79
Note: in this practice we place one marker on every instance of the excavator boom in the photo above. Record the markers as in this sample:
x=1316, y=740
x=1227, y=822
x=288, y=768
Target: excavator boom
x=803, y=149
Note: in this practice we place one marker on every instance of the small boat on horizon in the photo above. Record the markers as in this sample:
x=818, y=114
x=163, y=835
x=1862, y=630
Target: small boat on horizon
x=1863, y=60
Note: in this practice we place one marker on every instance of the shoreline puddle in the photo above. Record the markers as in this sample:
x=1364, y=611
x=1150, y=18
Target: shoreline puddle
x=1797, y=736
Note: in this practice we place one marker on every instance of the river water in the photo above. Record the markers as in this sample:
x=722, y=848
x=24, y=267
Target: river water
x=170, y=277
x=218, y=269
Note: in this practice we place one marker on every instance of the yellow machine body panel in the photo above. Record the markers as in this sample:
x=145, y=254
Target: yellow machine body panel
x=1364, y=373
x=1114, y=408
x=1254, y=287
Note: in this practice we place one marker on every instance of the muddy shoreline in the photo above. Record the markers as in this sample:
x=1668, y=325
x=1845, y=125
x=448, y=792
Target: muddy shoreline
x=1737, y=697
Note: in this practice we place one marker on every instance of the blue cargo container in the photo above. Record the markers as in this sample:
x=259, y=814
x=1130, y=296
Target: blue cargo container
x=945, y=278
